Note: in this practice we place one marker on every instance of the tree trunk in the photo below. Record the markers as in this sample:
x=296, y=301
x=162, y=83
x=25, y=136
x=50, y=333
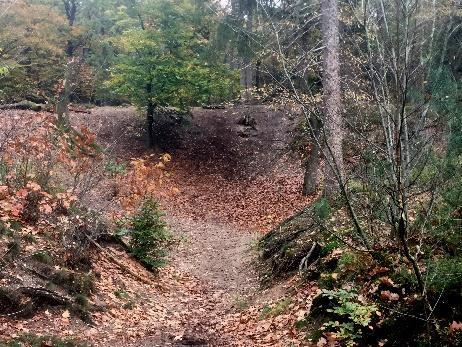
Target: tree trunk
x=150, y=123
x=150, y=116
x=258, y=74
x=246, y=14
x=62, y=106
x=333, y=128
x=313, y=162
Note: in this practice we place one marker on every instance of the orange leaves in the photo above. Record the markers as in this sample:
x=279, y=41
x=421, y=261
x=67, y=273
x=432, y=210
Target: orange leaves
x=34, y=148
x=258, y=203
x=12, y=203
x=87, y=137
x=146, y=177
x=65, y=199
x=166, y=158
x=46, y=208
x=10, y=210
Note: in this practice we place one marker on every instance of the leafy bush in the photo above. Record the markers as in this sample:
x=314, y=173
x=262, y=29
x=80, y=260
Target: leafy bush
x=113, y=168
x=353, y=314
x=74, y=282
x=445, y=274
x=148, y=235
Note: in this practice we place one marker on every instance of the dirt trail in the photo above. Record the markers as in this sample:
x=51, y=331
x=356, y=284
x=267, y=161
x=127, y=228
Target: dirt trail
x=234, y=180
x=217, y=254
x=221, y=260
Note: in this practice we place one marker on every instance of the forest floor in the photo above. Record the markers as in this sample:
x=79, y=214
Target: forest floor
x=231, y=183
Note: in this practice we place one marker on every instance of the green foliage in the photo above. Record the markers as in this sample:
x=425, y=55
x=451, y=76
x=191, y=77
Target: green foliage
x=404, y=277
x=351, y=263
x=444, y=274
x=32, y=56
x=277, y=309
x=43, y=257
x=3, y=71
x=241, y=303
x=4, y=229
x=73, y=282
x=329, y=247
x=162, y=60
x=113, y=168
x=122, y=294
x=353, y=314
x=322, y=208
x=81, y=300
x=39, y=341
x=148, y=234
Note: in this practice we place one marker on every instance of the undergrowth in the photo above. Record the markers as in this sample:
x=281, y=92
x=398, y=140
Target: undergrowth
x=30, y=340
x=148, y=237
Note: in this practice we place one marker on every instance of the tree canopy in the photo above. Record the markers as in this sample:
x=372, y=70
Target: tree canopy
x=164, y=59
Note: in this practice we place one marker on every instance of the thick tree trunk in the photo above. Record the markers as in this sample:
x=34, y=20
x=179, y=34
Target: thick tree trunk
x=333, y=128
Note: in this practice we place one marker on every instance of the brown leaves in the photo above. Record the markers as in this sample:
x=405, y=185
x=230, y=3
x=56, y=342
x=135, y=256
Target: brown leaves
x=455, y=327
x=387, y=281
x=386, y=295
x=36, y=152
x=259, y=203
x=271, y=324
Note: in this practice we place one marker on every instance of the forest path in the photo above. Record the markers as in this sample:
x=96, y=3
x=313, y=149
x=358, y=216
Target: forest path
x=234, y=181
x=221, y=260
x=217, y=255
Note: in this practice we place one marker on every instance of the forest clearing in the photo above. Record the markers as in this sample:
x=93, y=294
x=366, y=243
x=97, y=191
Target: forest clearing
x=230, y=173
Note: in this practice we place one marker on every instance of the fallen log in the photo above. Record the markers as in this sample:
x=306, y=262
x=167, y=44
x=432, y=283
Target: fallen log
x=45, y=296
x=25, y=301
x=26, y=105
x=214, y=107
x=292, y=245
x=79, y=110
x=32, y=106
x=122, y=266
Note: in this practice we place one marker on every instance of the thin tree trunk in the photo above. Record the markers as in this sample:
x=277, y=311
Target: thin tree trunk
x=313, y=162
x=258, y=74
x=150, y=124
x=150, y=117
x=246, y=14
x=62, y=106
x=333, y=127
